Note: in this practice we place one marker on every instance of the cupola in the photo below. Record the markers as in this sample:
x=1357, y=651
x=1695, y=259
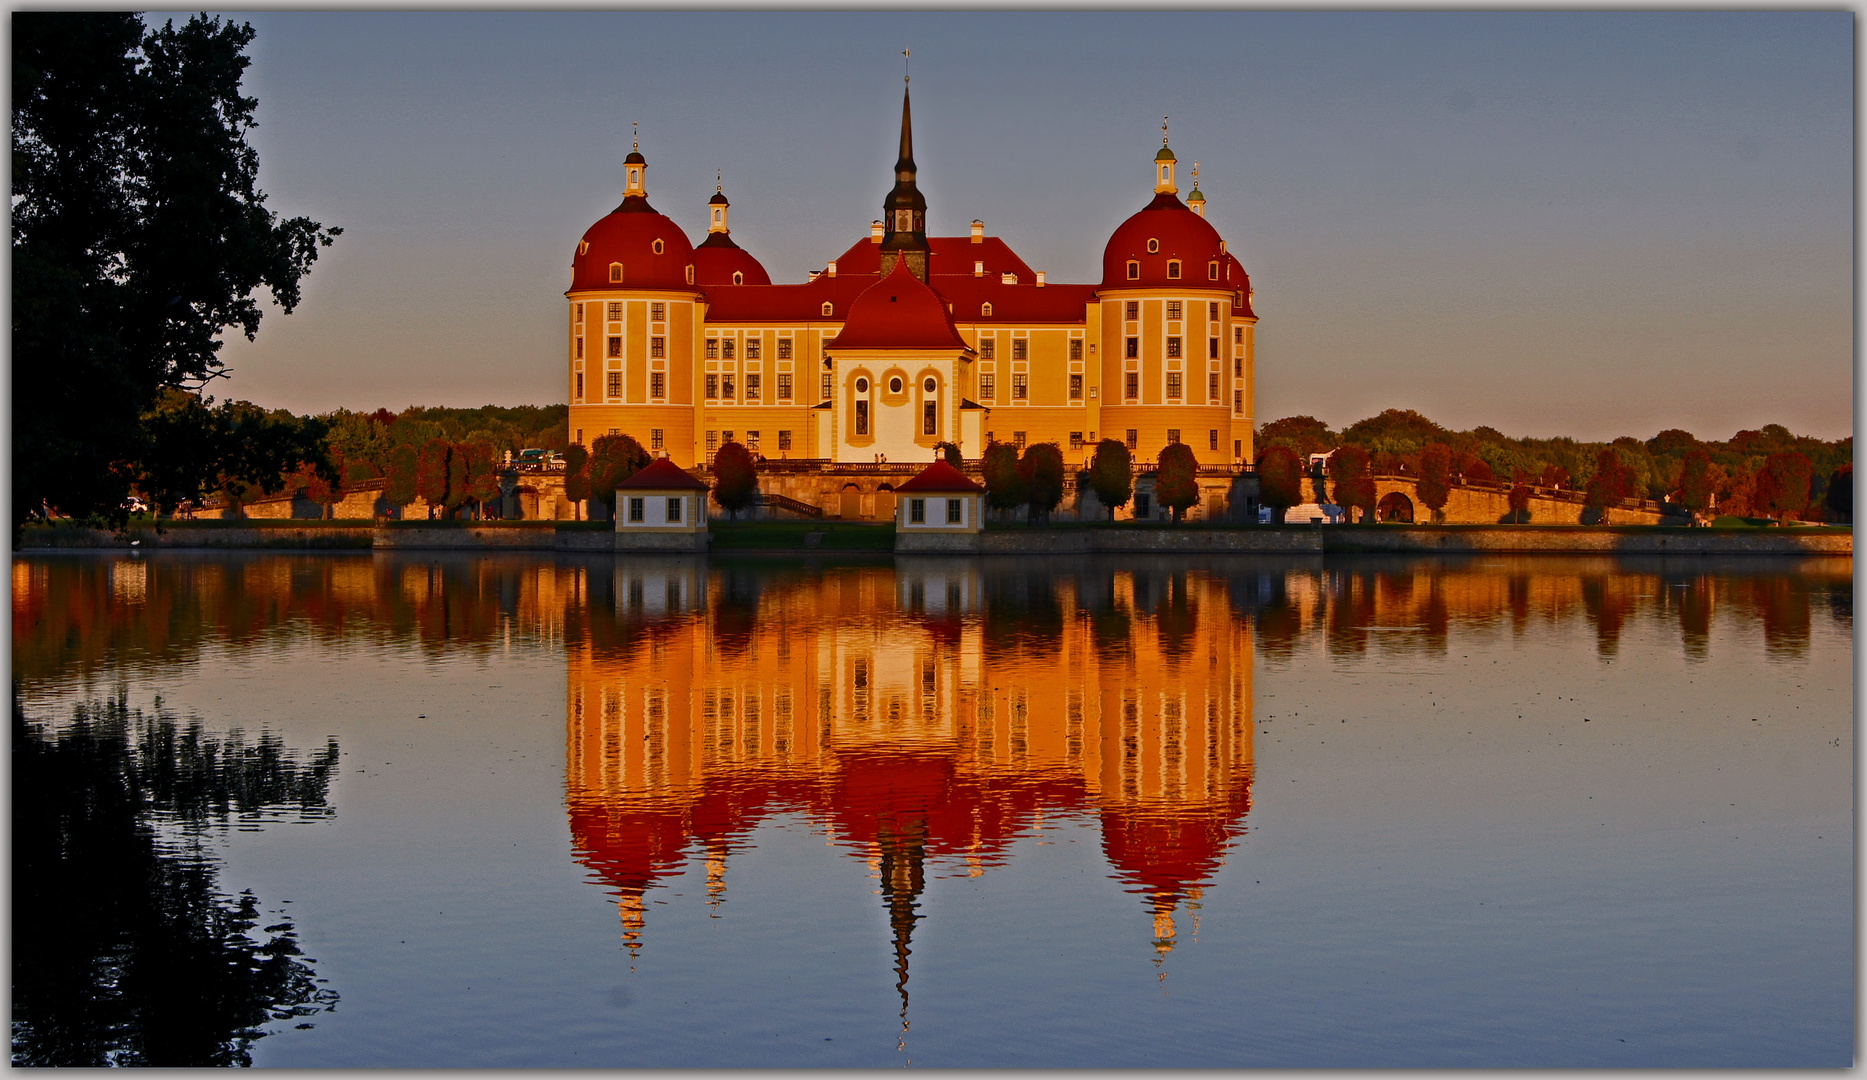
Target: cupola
x=1196, y=202
x=1164, y=164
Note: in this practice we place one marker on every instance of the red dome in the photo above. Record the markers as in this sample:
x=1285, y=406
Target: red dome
x=628, y=236
x=898, y=312
x=717, y=259
x=1181, y=235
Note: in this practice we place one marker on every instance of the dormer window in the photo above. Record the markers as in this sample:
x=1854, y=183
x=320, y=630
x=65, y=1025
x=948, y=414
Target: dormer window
x=583, y=247
x=1153, y=246
x=615, y=273
x=740, y=279
x=659, y=247
x=1134, y=270
x=828, y=309
x=985, y=311
x=690, y=273
x=1173, y=268
x=1212, y=270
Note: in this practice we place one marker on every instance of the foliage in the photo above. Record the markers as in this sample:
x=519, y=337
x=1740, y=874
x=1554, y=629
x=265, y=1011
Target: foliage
x=1782, y=485
x=139, y=237
x=1519, y=504
x=433, y=473
x=1304, y=434
x=1435, y=483
x=1042, y=471
x=1695, y=480
x=399, y=477
x=1840, y=495
x=1176, y=479
x=576, y=473
x=1280, y=479
x=950, y=452
x=1005, y=488
x=735, y=478
x=482, y=475
x=1401, y=431
x=1471, y=468
x=1111, y=475
x=1613, y=481
x=1354, y=486
x=613, y=459
x=194, y=447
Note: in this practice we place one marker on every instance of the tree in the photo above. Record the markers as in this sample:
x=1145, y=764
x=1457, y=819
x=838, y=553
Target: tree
x=1840, y=497
x=950, y=451
x=1519, y=503
x=139, y=237
x=1042, y=472
x=1280, y=480
x=1783, y=484
x=1111, y=475
x=1612, y=482
x=398, y=488
x=1304, y=434
x=1695, y=480
x=576, y=475
x=735, y=478
x=1176, y=479
x=1474, y=469
x=236, y=448
x=613, y=459
x=1354, y=487
x=1004, y=487
x=1435, y=485
x=1555, y=476
x=1672, y=442
x=432, y=473
x=1399, y=430
x=482, y=474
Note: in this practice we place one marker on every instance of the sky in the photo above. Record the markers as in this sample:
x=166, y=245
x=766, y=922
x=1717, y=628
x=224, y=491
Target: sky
x=1555, y=223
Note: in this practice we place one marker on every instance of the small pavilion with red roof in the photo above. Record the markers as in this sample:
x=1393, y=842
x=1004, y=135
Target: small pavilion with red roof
x=940, y=502
x=661, y=508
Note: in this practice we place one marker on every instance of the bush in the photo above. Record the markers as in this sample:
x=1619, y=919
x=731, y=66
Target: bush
x=1111, y=475
x=735, y=478
x=1176, y=479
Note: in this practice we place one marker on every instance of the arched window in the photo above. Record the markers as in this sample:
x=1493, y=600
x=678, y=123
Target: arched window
x=828, y=309
x=1173, y=268
x=1212, y=270
x=690, y=273
x=738, y=278
x=985, y=310
x=615, y=273
x=1134, y=270
x=583, y=247
x=658, y=247
x=1153, y=245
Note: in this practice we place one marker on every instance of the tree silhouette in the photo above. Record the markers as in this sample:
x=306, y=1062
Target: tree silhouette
x=1354, y=487
x=1176, y=479
x=613, y=459
x=576, y=475
x=1840, y=496
x=1280, y=480
x=1004, y=487
x=1042, y=471
x=1111, y=475
x=735, y=478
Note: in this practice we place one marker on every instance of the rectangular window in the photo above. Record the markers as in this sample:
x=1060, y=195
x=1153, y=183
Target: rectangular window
x=615, y=384
x=727, y=346
x=751, y=440
x=784, y=440
x=1173, y=268
x=726, y=436
x=713, y=387
x=580, y=348
x=988, y=348
x=1134, y=385
x=657, y=348
x=752, y=385
x=829, y=386
x=1173, y=309
x=1134, y=309
x=1238, y=366
x=753, y=346
x=917, y=511
x=615, y=345
x=580, y=386
x=615, y=311
x=1017, y=439
x=784, y=348
x=727, y=390
x=657, y=384
x=1134, y=349
x=862, y=418
x=1212, y=311
x=1238, y=403
x=674, y=508
x=988, y=385
x=1212, y=348
x=1212, y=439
x=1173, y=385
x=657, y=439
x=784, y=386
x=658, y=312
x=954, y=512
x=579, y=316
x=1238, y=335
x=636, y=506
x=713, y=442
x=1076, y=440
x=1076, y=348
x=930, y=419
x=1173, y=348
x=1140, y=506
x=1020, y=348
x=1173, y=435
x=1020, y=386
x=1134, y=270
x=1212, y=388
x=713, y=348
x=1076, y=387
x=1133, y=440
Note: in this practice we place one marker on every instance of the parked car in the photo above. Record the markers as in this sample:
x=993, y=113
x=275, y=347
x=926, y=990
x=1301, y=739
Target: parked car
x=533, y=459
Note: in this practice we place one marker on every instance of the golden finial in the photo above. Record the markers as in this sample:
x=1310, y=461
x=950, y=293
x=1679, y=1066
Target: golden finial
x=1195, y=176
x=637, y=126
x=904, y=65
x=1163, y=131
x=719, y=184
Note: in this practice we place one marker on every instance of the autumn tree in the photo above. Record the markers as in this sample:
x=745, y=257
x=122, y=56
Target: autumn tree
x=482, y=475
x=1612, y=482
x=1782, y=489
x=1111, y=475
x=577, y=475
x=1435, y=484
x=1695, y=481
x=1473, y=469
x=399, y=480
x=1280, y=480
x=1005, y=487
x=1554, y=476
x=1304, y=434
x=735, y=478
x=1354, y=486
x=1519, y=504
x=613, y=459
x=432, y=472
x=1176, y=479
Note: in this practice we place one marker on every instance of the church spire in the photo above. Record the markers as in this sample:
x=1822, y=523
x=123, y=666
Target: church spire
x=904, y=211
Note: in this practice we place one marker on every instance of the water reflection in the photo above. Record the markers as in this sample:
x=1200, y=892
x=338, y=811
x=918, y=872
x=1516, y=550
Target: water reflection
x=125, y=949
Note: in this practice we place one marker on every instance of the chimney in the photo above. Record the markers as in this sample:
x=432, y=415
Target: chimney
x=1040, y=279
x=1007, y=278
x=814, y=274
x=978, y=268
x=831, y=270
x=875, y=232
x=978, y=231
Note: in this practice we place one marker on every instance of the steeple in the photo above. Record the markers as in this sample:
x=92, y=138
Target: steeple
x=717, y=207
x=904, y=211
x=1196, y=202
x=1164, y=164
x=635, y=171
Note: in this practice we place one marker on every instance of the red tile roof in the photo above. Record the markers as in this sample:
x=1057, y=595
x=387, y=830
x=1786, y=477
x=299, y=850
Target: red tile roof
x=662, y=474
x=717, y=258
x=940, y=477
x=898, y=312
x=627, y=235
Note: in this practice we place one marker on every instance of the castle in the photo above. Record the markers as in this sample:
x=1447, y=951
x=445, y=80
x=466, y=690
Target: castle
x=907, y=340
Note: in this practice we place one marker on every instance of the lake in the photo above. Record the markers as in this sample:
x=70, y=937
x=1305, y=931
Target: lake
x=418, y=809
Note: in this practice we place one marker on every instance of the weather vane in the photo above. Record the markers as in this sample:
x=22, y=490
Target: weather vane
x=1195, y=176
x=719, y=183
x=904, y=65
x=1163, y=131
x=637, y=125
